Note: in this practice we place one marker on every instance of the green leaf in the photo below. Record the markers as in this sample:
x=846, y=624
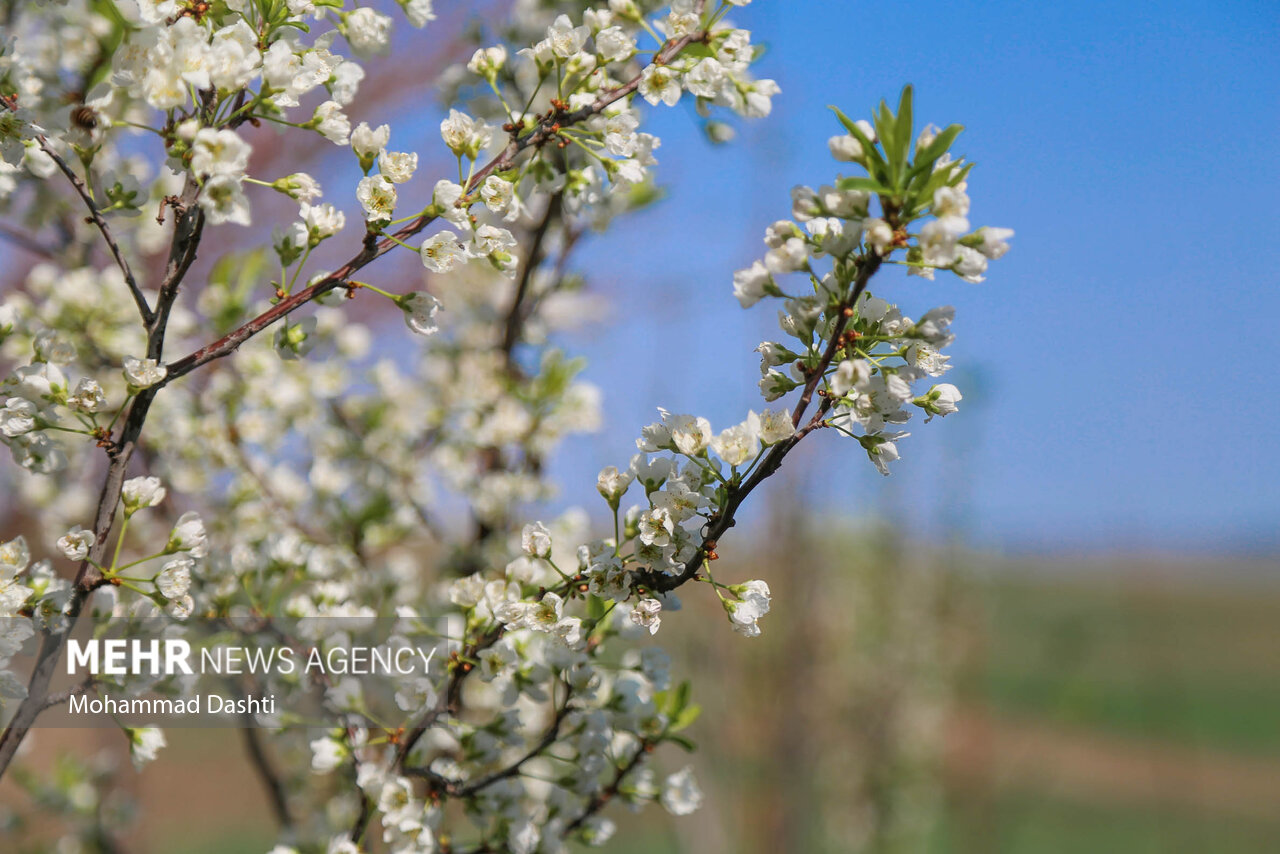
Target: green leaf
x=844, y=120
x=680, y=699
x=927, y=156
x=875, y=162
x=698, y=50
x=595, y=608
x=863, y=184
x=921, y=174
x=686, y=718
x=960, y=175
x=684, y=742
x=902, y=132
x=661, y=698
x=923, y=198
x=886, y=129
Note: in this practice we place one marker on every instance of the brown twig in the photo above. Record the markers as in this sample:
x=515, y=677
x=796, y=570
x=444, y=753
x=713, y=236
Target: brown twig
x=267, y=774
x=545, y=130
x=95, y=216
x=548, y=738
x=533, y=258
x=609, y=792
x=773, y=458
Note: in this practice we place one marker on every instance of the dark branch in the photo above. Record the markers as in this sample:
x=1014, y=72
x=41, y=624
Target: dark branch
x=95, y=216
x=267, y=773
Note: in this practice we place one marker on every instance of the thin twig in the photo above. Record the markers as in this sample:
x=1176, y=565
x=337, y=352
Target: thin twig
x=89, y=577
x=517, y=313
x=267, y=774
x=773, y=458
x=373, y=249
x=548, y=738
x=95, y=216
x=608, y=793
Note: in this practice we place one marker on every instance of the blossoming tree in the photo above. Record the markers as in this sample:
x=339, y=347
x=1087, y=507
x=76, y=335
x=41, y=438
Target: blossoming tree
x=222, y=443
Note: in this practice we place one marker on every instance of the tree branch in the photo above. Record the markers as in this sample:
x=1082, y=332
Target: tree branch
x=267, y=774
x=773, y=459
x=547, y=128
x=182, y=252
x=607, y=794
x=517, y=313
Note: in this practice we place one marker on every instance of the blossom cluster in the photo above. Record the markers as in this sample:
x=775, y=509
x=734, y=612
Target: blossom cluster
x=864, y=351
x=316, y=481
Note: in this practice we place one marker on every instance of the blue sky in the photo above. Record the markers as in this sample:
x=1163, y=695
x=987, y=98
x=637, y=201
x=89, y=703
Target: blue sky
x=1123, y=351
x=1119, y=363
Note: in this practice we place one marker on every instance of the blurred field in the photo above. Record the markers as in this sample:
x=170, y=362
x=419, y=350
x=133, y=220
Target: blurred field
x=1179, y=660
x=1122, y=710
x=893, y=706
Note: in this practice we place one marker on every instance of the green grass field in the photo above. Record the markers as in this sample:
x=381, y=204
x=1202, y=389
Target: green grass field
x=1179, y=661
x=1184, y=669
x=1031, y=824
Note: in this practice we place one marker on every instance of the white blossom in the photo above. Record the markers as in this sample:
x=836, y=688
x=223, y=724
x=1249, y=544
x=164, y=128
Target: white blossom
x=994, y=241
x=397, y=166
x=143, y=373
x=332, y=123
x=690, y=434
x=680, y=792
x=141, y=492
x=377, y=196
x=219, y=152
x=488, y=61
x=367, y=141
x=566, y=39
x=612, y=483
x=223, y=200
x=647, y=614
x=174, y=579
x=420, y=310
x=75, y=544
x=144, y=744
x=754, y=600
x=464, y=135
x=17, y=417
x=535, y=540
x=739, y=444
x=441, y=252
x=368, y=31
x=614, y=45
x=752, y=284
x=188, y=535
x=660, y=84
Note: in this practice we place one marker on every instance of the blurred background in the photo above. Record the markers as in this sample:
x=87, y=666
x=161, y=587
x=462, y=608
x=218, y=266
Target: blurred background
x=1056, y=628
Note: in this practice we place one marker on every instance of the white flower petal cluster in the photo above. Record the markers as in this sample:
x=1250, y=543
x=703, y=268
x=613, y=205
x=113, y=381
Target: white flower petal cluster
x=75, y=544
